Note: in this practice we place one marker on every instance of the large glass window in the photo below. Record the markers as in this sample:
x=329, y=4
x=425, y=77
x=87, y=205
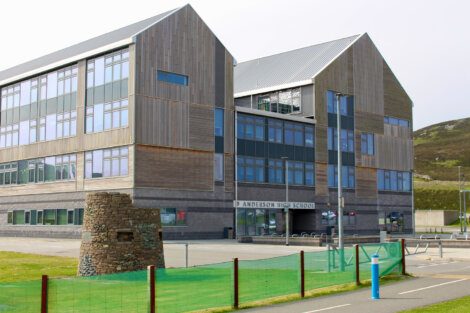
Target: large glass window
x=348, y=179
x=107, y=92
x=275, y=130
x=344, y=103
x=106, y=163
x=8, y=173
x=389, y=180
x=276, y=171
x=367, y=143
x=46, y=217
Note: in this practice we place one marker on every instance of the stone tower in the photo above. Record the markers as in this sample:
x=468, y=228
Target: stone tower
x=117, y=237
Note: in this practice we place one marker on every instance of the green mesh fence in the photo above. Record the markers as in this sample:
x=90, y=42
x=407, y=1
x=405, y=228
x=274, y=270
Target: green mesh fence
x=20, y=297
x=323, y=269
x=200, y=287
x=194, y=288
x=267, y=278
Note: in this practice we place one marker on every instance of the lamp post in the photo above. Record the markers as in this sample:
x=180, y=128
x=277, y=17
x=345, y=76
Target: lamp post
x=460, y=201
x=286, y=207
x=340, y=195
x=464, y=193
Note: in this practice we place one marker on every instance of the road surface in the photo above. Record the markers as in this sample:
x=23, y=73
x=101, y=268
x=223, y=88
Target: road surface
x=435, y=281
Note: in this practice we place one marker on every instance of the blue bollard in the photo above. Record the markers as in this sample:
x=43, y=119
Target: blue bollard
x=374, y=268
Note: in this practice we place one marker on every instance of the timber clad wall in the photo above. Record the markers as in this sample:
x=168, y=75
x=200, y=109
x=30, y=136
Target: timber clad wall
x=362, y=72
x=179, y=117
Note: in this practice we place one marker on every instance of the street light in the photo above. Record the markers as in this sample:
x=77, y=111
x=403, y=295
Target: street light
x=464, y=192
x=460, y=201
x=286, y=206
x=340, y=196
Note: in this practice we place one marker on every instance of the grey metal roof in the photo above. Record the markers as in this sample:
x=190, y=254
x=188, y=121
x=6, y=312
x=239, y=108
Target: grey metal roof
x=288, y=67
x=107, y=39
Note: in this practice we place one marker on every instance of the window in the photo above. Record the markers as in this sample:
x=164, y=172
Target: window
x=250, y=127
x=275, y=130
x=218, y=167
x=8, y=173
x=309, y=174
x=250, y=169
x=173, y=217
x=276, y=171
x=106, y=163
x=10, y=217
x=396, y=121
x=347, y=140
x=107, y=92
x=219, y=122
x=172, y=78
x=309, y=136
x=389, y=180
x=348, y=178
x=367, y=143
x=284, y=102
x=296, y=173
x=345, y=103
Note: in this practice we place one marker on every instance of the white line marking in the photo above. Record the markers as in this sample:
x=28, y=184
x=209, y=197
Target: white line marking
x=436, y=264
x=329, y=308
x=434, y=286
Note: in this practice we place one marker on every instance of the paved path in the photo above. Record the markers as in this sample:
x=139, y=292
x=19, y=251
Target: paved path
x=436, y=281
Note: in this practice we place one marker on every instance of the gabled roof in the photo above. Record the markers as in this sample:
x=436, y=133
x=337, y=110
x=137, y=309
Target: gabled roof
x=288, y=69
x=100, y=44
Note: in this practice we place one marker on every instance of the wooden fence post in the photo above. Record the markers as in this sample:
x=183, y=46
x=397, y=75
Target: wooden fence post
x=403, y=262
x=358, y=279
x=151, y=288
x=44, y=294
x=235, y=283
x=302, y=274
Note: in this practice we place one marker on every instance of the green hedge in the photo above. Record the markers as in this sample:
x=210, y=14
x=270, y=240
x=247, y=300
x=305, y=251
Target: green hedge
x=436, y=199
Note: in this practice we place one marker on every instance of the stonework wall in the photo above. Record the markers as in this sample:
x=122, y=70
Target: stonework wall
x=117, y=237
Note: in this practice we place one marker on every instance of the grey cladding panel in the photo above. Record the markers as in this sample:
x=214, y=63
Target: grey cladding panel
x=308, y=106
x=219, y=74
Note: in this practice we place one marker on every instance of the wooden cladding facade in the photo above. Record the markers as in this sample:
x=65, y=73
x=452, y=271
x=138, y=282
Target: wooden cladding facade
x=361, y=71
x=179, y=119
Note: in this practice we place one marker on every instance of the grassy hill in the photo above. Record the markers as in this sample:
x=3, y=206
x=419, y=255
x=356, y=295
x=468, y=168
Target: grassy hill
x=440, y=148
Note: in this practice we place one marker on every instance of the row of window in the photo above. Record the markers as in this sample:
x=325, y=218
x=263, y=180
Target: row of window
x=107, y=116
x=173, y=217
x=98, y=163
x=260, y=170
x=284, y=102
x=45, y=87
x=396, y=121
x=46, y=217
x=39, y=170
x=330, y=217
x=274, y=130
x=388, y=180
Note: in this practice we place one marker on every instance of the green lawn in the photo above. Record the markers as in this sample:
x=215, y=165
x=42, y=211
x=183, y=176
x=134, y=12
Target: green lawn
x=21, y=266
x=455, y=306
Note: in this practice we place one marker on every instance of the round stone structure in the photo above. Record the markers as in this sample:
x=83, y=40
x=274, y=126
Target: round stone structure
x=118, y=237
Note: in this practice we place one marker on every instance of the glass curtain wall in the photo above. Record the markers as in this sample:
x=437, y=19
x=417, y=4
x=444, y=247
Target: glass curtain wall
x=39, y=109
x=256, y=222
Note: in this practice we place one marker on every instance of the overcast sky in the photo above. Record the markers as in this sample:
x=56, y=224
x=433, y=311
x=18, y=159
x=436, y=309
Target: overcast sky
x=426, y=43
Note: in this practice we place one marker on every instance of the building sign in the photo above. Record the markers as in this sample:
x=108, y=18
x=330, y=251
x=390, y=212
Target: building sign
x=273, y=205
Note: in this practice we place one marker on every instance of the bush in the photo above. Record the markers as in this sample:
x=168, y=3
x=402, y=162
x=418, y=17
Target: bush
x=436, y=199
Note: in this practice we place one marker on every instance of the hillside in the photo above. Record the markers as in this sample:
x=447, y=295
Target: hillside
x=440, y=148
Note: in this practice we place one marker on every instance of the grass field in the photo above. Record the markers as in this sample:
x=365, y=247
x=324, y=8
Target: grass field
x=21, y=266
x=460, y=305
